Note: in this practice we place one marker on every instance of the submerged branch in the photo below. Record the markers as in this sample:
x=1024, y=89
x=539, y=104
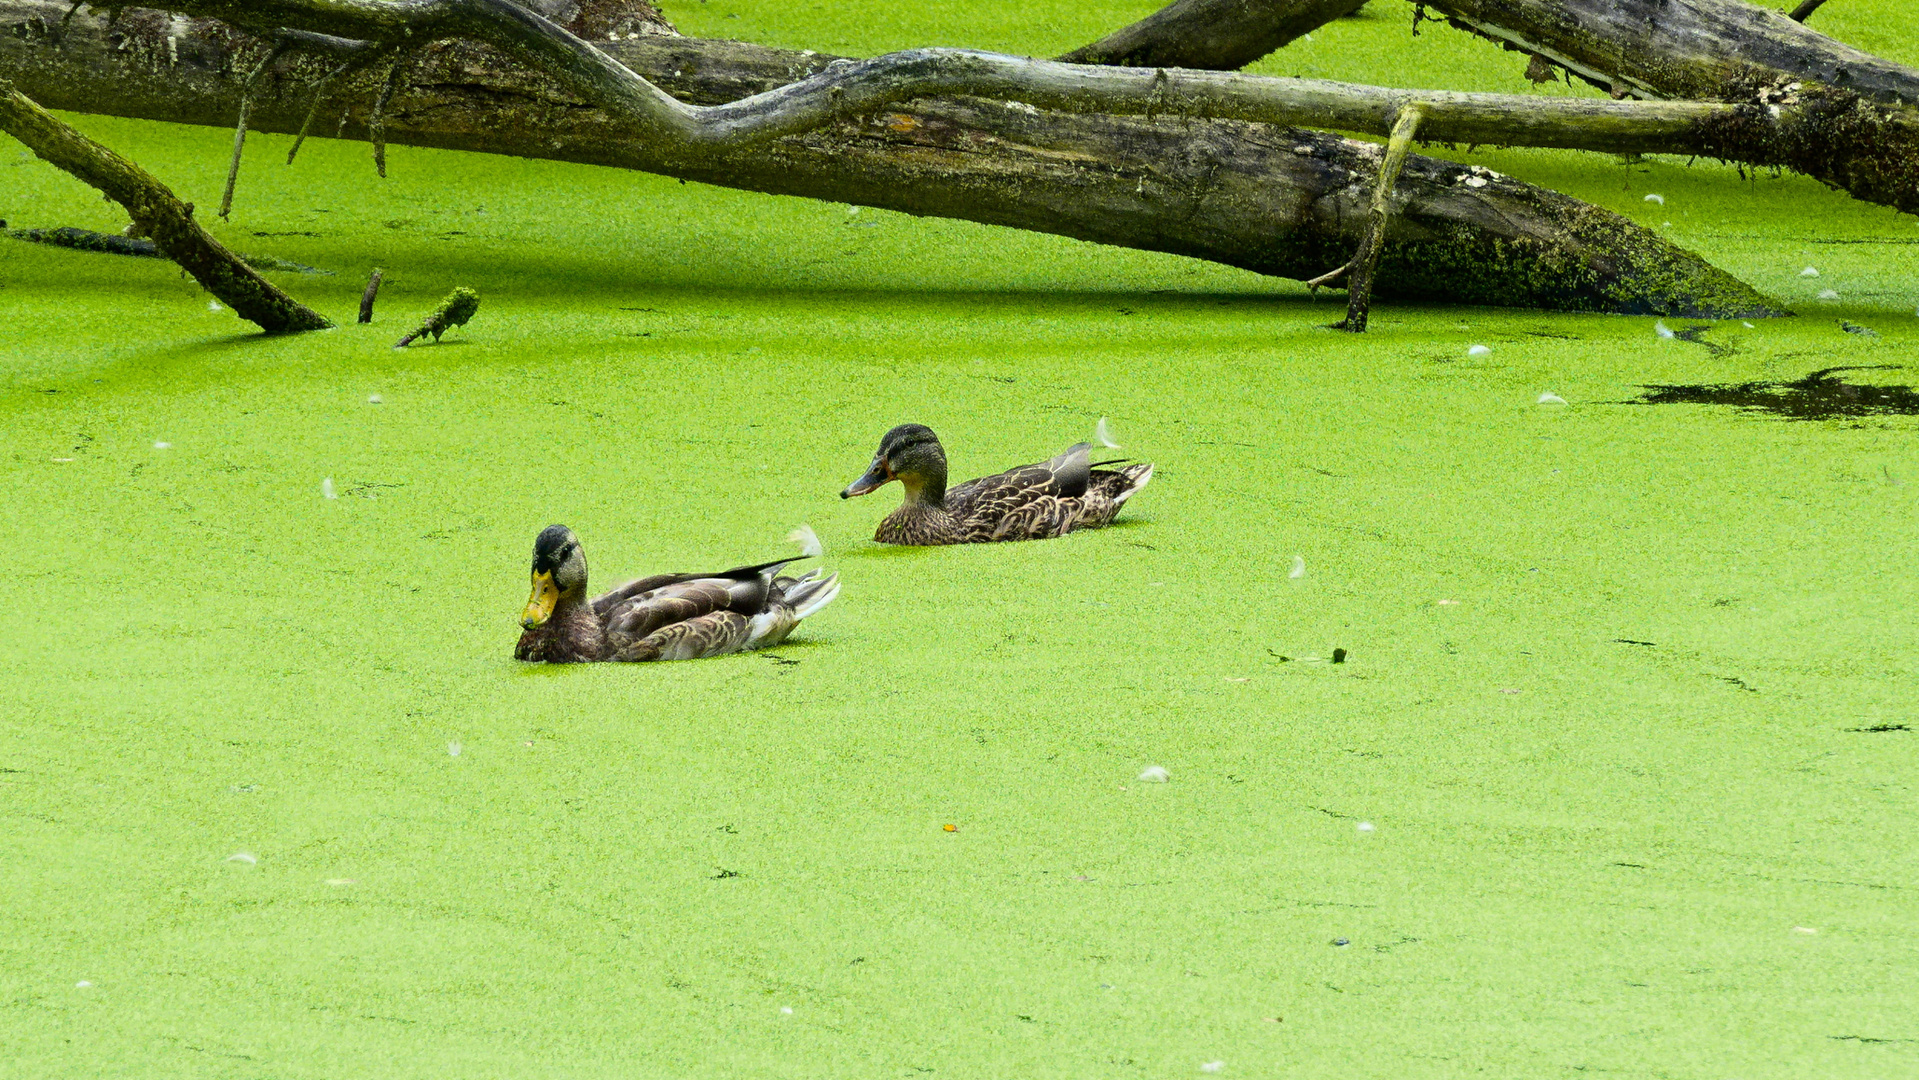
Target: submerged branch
x=158, y=213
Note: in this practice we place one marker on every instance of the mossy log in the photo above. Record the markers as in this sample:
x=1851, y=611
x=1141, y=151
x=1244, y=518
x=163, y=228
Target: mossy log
x=157, y=213
x=1856, y=123
x=1266, y=197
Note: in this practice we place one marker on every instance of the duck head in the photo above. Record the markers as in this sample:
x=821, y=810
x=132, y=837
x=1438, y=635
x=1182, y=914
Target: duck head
x=911, y=454
x=559, y=575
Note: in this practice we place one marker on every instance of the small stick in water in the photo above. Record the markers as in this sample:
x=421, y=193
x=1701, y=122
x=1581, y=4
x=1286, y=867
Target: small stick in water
x=366, y=298
x=455, y=310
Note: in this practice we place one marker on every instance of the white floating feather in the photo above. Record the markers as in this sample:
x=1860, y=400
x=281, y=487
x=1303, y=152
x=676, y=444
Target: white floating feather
x=1828, y=294
x=242, y=856
x=1662, y=329
x=786, y=1010
x=326, y=488
x=1478, y=350
x=1104, y=435
x=1747, y=325
x=214, y=305
x=1660, y=199
x=163, y=446
x=1365, y=826
x=1212, y=1066
x=1550, y=398
x=453, y=748
x=1299, y=567
x=808, y=540
x=1153, y=774
x=1810, y=271
x=373, y=399
x=82, y=984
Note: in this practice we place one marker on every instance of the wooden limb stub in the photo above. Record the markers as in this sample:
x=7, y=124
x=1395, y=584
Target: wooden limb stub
x=1359, y=288
x=240, y=128
x=367, y=297
x=1804, y=11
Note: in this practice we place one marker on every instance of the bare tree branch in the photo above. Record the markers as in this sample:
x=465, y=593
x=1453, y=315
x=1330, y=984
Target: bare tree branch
x=675, y=130
x=1804, y=11
x=1853, y=117
x=1705, y=50
x=157, y=212
x=1214, y=35
x=1359, y=291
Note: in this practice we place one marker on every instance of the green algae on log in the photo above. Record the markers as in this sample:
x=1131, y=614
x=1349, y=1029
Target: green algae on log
x=459, y=306
x=157, y=212
x=1276, y=200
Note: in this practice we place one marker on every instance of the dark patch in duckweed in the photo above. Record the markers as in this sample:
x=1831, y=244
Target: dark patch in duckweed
x=1692, y=334
x=1822, y=395
x=1880, y=728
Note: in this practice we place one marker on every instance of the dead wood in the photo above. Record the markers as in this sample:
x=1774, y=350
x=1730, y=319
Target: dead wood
x=157, y=213
x=1266, y=197
x=1855, y=116
x=1215, y=35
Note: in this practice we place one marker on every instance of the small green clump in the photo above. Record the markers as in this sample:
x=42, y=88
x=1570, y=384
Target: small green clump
x=459, y=306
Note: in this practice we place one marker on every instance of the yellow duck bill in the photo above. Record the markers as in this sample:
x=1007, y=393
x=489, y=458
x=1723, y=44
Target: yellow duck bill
x=539, y=607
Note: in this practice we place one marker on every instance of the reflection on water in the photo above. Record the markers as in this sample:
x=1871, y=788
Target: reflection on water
x=1821, y=395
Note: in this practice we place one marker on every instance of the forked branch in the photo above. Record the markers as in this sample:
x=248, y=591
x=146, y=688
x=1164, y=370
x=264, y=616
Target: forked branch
x=675, y=130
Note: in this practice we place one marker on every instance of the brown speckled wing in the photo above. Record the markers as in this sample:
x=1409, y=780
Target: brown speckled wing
x=647, y=612
x=607, y=602
x=714, y=634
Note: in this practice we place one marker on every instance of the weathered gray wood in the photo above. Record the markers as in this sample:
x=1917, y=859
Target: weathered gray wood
x=1857, y=115
x=1276, y=200
x=1706, y=50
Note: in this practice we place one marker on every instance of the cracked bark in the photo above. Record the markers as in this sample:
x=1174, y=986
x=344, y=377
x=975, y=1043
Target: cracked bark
x=1269, y=198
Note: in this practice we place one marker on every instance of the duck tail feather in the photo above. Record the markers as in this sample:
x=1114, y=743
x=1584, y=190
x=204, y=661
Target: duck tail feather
x=1134, y=477
x=810, y=594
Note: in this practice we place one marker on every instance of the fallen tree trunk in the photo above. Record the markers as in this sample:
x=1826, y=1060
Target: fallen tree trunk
x=1860, y=114
x=1271, y=199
